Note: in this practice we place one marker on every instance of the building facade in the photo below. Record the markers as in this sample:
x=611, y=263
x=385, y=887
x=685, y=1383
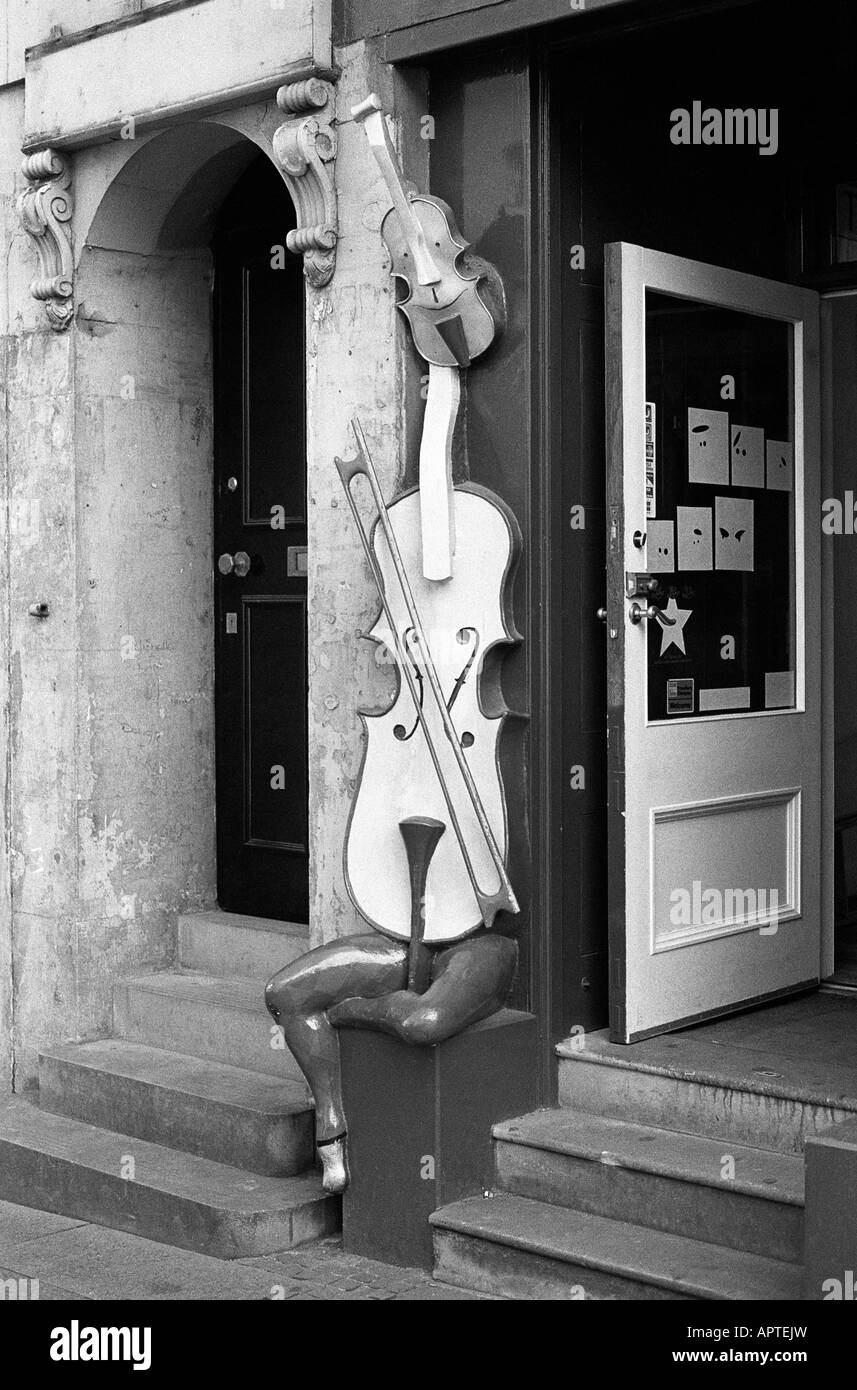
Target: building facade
x=195, y=303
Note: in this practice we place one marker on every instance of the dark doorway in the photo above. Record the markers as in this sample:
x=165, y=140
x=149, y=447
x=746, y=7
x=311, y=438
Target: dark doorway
x=260, y=554
x=612, y=172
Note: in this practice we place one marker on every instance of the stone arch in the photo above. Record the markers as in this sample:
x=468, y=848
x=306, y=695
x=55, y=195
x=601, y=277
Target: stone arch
x=157, y=166
x=144, y=490
x=166, y=191
x=178, y=174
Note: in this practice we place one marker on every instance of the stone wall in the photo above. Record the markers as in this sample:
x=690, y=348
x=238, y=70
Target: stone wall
x=359, y=361
x=111, y=748
x=106, y=779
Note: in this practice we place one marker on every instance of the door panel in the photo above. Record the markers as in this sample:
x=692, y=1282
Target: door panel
x=260, y=513
x=713, y=639
x=274, y=624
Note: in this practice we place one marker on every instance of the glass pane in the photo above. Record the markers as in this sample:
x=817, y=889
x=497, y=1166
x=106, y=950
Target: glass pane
x=719, y=510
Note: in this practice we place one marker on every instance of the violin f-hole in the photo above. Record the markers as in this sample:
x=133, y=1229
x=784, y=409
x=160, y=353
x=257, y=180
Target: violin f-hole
x=399, y=731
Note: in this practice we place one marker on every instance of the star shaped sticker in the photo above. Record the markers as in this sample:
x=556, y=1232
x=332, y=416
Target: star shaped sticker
x=673, y=636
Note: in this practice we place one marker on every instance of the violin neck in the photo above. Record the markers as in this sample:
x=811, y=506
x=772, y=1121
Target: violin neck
x=437, y=507
x=371, y=114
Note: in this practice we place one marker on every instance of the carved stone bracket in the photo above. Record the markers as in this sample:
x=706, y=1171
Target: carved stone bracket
x=305, y=148
x=45, y=209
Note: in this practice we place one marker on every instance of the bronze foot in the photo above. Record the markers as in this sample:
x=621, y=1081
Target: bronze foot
x=334, y=1163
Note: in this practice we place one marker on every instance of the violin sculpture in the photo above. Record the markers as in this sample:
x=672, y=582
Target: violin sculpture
x=427, y=839
x=452, y=305
x=455, y=308
x=434, y=751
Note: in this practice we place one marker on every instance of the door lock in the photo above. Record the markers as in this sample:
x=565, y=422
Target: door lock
x=237, y=564
x=640, y=585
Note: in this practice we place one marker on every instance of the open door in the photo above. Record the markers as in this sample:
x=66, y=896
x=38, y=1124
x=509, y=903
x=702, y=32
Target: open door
x=713, y=640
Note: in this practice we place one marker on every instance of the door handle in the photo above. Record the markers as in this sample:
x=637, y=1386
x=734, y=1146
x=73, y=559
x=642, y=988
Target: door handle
x=601, y=614
x=237, y=564
x=652, y=613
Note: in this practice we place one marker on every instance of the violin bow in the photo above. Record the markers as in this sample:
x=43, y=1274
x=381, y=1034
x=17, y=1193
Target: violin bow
x=503, y=900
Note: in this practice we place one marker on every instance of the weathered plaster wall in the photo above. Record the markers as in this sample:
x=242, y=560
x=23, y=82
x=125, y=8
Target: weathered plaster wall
x=358, y=362
x=43, y=681
x=12, y=288
x=144, y=606
x=109, y=434
x=106, y=778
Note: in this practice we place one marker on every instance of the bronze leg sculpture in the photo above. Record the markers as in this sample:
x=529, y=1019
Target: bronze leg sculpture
x=358, y=982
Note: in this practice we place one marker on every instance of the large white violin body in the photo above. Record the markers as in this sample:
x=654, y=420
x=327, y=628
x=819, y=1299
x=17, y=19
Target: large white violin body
x=464, y=619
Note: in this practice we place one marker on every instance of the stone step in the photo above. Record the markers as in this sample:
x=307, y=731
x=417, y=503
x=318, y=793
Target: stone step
x=525, y=1249
x=675, y=1082
x=261, y=1123
x=61, y=1165
x=227, y=944
x=203, y=1016
x=658, y=1178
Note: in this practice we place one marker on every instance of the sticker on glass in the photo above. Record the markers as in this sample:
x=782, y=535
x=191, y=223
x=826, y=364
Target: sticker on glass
x=780, y=466
x=672, y=621
x=693, y=525
x=748, y=456
x=708, y=446
x=733, y=533
x=651, y=465
x=680, y=695
x=660, y=547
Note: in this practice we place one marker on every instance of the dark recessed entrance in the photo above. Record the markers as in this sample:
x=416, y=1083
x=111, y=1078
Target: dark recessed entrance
x=260, y=554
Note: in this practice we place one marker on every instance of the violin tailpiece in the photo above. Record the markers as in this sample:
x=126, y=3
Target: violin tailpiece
x=451, y=330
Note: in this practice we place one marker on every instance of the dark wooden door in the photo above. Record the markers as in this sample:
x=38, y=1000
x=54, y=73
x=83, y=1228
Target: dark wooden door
x=260, y=555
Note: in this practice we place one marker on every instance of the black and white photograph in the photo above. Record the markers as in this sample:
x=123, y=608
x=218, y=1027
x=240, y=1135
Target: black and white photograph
x=428, y=639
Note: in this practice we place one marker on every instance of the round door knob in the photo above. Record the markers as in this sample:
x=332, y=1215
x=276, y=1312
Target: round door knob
x=601, y=614
x=237, y=564
x=637, y=613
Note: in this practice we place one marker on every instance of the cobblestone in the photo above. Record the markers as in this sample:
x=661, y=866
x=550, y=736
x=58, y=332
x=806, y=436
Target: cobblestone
x=76, y=1259
x=325, y=1270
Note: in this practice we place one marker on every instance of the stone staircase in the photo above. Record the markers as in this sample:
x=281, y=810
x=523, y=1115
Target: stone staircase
x=187, y=1126
x=670, y=1171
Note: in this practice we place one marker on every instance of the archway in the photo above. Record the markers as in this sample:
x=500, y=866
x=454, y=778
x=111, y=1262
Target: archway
x=145, y=436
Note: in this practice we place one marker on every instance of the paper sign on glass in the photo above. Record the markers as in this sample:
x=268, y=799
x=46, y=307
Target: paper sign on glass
x=733, y=533
x=693, y=525
x=708, y=446
x=748, y=456
x=779, y=689
x=780, y=466
x=735, y=697
x=660, y=547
